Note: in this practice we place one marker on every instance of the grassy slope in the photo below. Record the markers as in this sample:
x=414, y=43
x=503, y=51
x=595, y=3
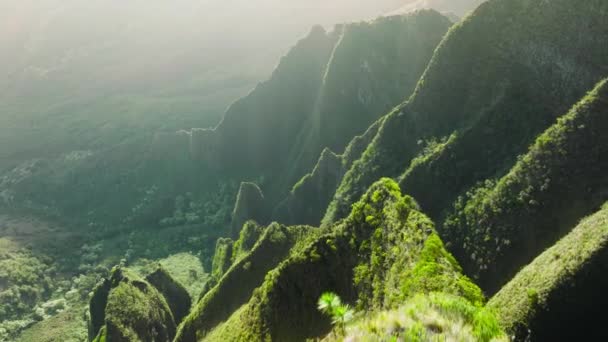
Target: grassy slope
x=509, y=69
x=433, y=317
x=498, y=228
x=561, y=294
x=248, y=271
x=368, y=259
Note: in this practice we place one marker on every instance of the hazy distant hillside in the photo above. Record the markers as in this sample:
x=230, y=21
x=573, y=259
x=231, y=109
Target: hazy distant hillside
x=458, y=7
x=79, y=74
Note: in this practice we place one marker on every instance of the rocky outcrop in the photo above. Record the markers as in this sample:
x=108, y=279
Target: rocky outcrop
x=176, y=295
x=248, y=272
x=250, y=205
x=134, y=311
x=384, y=252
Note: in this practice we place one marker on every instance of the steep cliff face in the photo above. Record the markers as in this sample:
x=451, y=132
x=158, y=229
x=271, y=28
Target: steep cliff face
x=385, y=252
x=500, y=227
x=256, y=129
x=310, y=196
x=561, y=295
x=502, y=75
x=246, y=273
x=127, y=308
x=328, y=89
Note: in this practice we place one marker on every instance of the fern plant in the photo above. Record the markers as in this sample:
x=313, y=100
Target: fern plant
x=331, y=305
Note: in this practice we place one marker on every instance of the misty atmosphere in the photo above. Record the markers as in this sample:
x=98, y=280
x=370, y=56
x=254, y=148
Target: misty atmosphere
x=288, y=170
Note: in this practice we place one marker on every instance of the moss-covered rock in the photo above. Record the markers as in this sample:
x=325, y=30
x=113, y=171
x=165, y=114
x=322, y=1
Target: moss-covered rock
x=249, y=235
x=222, y=258
x=175, y=294
x=370, y=259
x=248, y=272
x=561, y=295
x=97, y=307
x=135, y=311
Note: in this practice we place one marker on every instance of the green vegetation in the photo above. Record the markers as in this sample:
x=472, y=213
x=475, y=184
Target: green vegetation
x=331, y=305
x=495, y=131
x=431, y=317
x=222, y=259
x=235, y=287
x=249, y=235
x=366, y=259
x=565, y=283
x=131, y=309
x=175, y=294
x=500, y=227
x=516, y=71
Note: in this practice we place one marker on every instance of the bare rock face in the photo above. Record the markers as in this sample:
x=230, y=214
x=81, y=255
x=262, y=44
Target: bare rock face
x=250, y=205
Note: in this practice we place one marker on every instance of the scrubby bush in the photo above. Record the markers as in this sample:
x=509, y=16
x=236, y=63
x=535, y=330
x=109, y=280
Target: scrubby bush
x=431, y=317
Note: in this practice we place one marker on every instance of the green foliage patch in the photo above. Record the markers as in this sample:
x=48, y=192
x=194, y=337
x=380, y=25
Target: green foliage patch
x=565, y=283
x=365, y=259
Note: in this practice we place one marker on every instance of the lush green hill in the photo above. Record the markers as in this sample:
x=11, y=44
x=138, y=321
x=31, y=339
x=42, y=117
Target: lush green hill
x=500, y=141
x=499, y=227
x=503, y=75
x=385, y=252
x=561, y=294
x=246, y=273
x=327, y=90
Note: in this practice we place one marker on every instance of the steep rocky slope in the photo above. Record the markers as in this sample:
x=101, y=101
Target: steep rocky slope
x=502, y=76
x=329, y=88
x=309, y=197
x=562, y=292
x=127, y=308
x=246, y=273
x=385, y=252
x=500, y=227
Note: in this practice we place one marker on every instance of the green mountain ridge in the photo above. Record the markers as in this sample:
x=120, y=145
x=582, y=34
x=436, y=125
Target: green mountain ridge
x=329, y=88
x=407, y=166
x=561, y=291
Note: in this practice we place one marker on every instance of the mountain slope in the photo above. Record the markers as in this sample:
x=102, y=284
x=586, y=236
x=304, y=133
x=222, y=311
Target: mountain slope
x=498, y=228
x=457, y=7
x=507, y=72
x=562, y=292
x=329, y=88
x=385, y=252
x=310, y=196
